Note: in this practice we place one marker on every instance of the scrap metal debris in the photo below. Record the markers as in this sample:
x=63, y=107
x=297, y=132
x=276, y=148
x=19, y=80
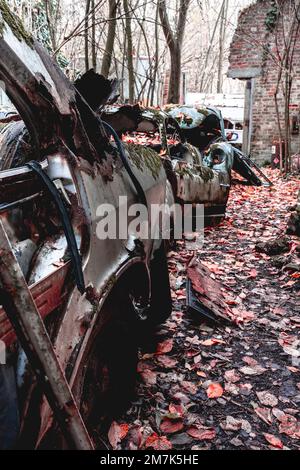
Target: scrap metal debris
x=211, y=299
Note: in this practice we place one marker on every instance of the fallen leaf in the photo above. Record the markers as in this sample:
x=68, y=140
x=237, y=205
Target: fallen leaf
x=250, y=361
x=279, y=414
x=232, y=376
x=253, y=273
x=157, y=442
x=143, y=365
x=212, y=342
x=170, y=426
x=165, y=347
x=214, y=390
x=231, y=424
x=202, y=374
x=117, y=432
x=235, y=424
x=149, y=377
x=267, y=398
x=255, y=370
x=181, y=397
x=273, y=440
x=264, y=414
x=289, y=426
x=202, y=433
x=166, y=362
x=176, y=410
x=134, y=438
x=189, y=387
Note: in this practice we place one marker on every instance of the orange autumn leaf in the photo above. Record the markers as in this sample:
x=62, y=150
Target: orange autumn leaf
x=212, y=341
x=274, y=441
x=157, y=442
x=214, y=390
x=295, y=275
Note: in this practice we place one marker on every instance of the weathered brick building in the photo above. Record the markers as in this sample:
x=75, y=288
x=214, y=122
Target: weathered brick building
x=252, y=53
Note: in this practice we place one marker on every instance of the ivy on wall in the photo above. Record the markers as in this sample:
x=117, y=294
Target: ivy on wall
x=272, y=16
x=42, y=32
x=271, y=19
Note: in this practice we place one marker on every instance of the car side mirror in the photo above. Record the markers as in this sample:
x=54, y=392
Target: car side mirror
x=232, y=136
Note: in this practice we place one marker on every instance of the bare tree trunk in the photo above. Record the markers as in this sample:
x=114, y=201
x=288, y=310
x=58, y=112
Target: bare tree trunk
x=175, y=75
x=208, y=52
x=174, y=41
x=94, y=52
x=52, y=13
x=86, y=34
x=129, y=50
x=156, y=58
x=110, y=40
x=223, y=21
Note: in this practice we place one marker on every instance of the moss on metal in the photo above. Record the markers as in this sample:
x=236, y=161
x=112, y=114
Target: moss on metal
x=14, y=23
x=194, y=152
x=143, y=157
x=206, y=174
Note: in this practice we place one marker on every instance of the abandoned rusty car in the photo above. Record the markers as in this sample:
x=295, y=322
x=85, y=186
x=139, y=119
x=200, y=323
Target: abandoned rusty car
x=75, y=305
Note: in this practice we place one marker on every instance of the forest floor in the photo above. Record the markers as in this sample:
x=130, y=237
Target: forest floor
x=236, y=386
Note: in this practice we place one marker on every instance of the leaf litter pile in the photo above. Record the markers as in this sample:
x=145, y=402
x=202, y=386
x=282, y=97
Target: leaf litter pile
x=233, y=386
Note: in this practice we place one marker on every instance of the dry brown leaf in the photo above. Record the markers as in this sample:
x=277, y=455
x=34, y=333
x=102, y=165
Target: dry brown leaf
x=255, y=370
x=170, y=426
x=264, y=414
x=166, y=361
x=165, y=347
x=176, y=410
x=202, y=433
x=212, y=342
x=189, y=387
x=232, y=376
x=149, y=377
x=267, y=398
x=117, y=432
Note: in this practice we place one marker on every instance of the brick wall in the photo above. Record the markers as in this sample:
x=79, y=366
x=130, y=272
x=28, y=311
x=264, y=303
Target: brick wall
x=248, y=58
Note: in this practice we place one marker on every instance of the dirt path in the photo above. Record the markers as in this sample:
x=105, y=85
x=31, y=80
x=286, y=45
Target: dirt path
x=231, y=387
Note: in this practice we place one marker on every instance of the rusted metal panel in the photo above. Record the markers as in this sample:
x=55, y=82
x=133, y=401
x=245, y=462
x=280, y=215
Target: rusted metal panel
x=206, y=296
x=32, y=333
x=47, y=294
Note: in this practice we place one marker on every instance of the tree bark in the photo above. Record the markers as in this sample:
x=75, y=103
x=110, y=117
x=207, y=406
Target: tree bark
x=174, y=42
x=94, y=51
x=128, y=16
x=110, y=40
x=86, y=35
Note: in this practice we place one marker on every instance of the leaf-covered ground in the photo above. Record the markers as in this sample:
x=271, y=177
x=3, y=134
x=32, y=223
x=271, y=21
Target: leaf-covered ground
x=234, y=387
